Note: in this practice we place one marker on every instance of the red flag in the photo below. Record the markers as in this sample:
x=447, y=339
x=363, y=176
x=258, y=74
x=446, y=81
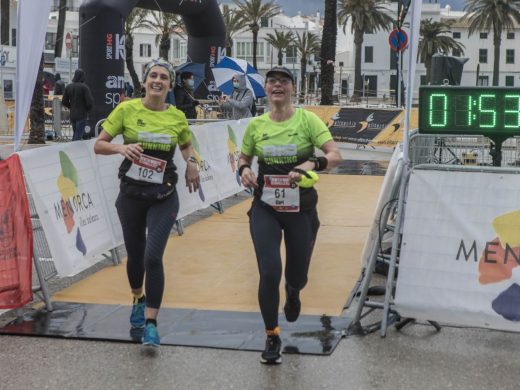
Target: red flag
x=16, y=239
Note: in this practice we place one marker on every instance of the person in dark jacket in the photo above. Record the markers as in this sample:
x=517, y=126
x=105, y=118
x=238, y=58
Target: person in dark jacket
x=59, y=85
x=184, y=99
x=78, y=98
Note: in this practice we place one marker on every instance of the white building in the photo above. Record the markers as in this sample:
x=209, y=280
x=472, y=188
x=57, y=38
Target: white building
x=378, y=60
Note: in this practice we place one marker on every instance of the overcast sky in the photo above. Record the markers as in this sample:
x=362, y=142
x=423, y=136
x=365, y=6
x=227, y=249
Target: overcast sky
x=309, y=7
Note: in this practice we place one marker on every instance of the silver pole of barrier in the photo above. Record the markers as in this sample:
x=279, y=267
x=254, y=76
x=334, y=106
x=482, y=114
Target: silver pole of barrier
x=56, y=117
x=41, y=278
x=97, y=126
x=395, y=246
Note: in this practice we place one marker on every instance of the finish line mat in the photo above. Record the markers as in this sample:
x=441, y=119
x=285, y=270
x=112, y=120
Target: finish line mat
x=316, y=335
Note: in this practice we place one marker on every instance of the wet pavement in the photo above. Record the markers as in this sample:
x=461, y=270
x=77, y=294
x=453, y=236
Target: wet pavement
x=415, y=358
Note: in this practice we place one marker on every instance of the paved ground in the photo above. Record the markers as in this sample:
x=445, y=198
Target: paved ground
x=415, y=358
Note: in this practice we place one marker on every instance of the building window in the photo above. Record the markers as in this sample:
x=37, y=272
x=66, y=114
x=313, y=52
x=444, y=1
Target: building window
x=510, y=35
x=145, y=50
x=369, y=54
x=456, y=53
x=8, y=89
x=510, y=56
x=50, y=41
x=510, y=81
x=483, y=35
x=482, y=56
x=244, y=50
x=291, y=55
x=456, y=35
x=13, y=37
x=483, y=81
x=264, y=22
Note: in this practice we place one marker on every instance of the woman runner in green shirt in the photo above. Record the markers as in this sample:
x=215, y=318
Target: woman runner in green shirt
x=283, y=140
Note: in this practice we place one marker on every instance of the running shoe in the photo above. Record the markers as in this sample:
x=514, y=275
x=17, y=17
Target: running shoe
x=137, y=319
x=151, y=336
x=273, y=351
x=292, y=305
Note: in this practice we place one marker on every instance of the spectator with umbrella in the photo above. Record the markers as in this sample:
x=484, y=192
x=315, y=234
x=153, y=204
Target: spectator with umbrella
x=241, y=100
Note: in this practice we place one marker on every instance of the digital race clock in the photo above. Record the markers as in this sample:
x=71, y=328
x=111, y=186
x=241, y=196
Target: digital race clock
x=490, y=111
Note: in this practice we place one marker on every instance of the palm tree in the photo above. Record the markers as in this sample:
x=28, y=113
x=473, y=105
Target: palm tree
x=36, y=114
x=495, y=15
x=234, y=23
x=280, y=40
x=252, y=12
x=4, y=21
x=306, y=44
x=164, y=24
x=365, y=15
x=62, y=13
x=433, y=41
x=328, y=51
x=136, y=19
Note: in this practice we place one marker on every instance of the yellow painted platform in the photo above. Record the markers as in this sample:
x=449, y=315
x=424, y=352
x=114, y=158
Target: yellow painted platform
x=213, y=266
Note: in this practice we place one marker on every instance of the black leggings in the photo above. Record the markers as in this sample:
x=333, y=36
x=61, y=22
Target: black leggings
x=145, y=251
x=300, y=230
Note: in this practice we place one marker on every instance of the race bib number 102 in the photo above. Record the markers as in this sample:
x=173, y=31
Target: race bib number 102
x=148, y=169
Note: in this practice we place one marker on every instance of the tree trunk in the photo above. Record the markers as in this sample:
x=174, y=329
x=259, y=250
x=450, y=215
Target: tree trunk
x=255, y=45
x=5, y=13
x=358, y=82
x=303, y=71
x=36, y=114
x=496, y=61
x=328, y=52
x=129, y=49
x=428, y=66
x=280, y=57
x=164, y=47
x=62, y=13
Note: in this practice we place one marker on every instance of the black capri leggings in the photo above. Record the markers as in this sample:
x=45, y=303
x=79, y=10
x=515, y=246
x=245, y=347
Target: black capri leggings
x=300, y=230
x=145, y=249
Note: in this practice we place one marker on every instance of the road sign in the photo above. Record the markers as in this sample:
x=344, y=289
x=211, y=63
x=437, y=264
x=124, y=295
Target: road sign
x=398, y=40
x=68, y=40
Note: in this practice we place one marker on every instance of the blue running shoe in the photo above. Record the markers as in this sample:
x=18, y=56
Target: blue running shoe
x=137, y=319
x=151, y=336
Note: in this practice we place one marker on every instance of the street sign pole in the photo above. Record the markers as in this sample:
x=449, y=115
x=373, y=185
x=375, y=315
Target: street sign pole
x=68, y=45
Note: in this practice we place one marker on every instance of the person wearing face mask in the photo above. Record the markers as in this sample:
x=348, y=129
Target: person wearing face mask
x=184, y=99
x=148, y=203
x=241, y=100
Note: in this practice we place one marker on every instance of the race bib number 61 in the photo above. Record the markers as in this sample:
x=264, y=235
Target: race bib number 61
x=280, y=194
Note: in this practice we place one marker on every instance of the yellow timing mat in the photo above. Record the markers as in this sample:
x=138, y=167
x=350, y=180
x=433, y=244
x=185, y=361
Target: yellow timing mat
x=213, y=265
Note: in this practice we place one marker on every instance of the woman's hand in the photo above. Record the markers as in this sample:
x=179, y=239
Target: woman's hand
x=131, y=151
x=248, y=178
x=295, y=177
x=192, y=176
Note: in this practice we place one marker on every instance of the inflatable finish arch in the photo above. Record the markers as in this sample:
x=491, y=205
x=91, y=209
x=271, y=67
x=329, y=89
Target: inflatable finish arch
x=102, y=42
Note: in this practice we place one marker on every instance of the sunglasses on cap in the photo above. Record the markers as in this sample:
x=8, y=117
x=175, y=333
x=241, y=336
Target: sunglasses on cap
x=159, y=62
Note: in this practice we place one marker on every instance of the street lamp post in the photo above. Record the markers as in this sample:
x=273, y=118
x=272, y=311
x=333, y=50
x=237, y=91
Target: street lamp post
x=340, y=92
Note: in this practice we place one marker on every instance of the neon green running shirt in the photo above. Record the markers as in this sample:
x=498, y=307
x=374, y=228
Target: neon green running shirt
x=280, y=146
x=158, y=132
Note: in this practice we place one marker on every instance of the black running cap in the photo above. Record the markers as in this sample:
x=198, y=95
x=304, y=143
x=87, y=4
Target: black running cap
x=280, y=69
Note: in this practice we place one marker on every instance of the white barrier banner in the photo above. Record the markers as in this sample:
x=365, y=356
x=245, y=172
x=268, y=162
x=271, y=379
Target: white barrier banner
x=460, y=253
x=75, y=190
x=70, y=204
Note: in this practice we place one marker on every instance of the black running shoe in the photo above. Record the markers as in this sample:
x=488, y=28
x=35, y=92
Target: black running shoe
x=292, y=305
x=273, y=351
